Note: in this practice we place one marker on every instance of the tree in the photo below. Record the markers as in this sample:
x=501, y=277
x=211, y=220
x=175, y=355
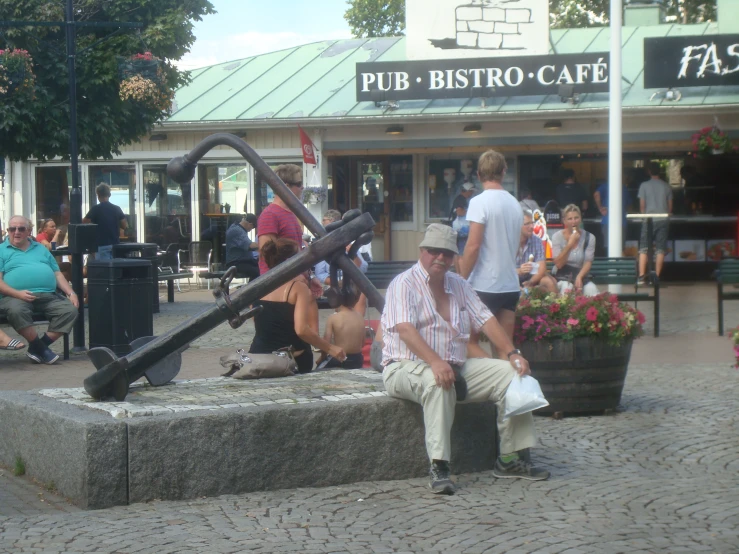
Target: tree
x=36, y=125
x=376, y=18
x=565, y=14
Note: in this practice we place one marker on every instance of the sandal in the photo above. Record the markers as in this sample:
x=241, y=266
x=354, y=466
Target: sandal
x=14, y=344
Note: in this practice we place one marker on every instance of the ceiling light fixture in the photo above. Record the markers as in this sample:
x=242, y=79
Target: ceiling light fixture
x=553, y=125
x=472, y=128
x=394, y=130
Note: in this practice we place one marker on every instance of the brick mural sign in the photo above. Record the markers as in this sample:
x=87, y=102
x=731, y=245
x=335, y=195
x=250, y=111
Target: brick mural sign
x=482, y=77
x=475, y=28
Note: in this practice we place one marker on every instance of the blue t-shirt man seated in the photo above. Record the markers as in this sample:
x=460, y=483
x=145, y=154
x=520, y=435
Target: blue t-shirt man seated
x=29, y=277
x=241, y=251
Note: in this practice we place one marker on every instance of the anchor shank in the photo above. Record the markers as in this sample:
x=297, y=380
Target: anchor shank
x=141, y=359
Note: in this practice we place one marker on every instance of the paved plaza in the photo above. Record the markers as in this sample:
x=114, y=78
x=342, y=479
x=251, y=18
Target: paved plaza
x=661, y=475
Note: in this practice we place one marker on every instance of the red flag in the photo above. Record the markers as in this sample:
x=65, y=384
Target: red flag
x=309, y=153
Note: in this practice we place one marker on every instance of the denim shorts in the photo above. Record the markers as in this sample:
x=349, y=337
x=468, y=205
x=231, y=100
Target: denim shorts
x=659, y=236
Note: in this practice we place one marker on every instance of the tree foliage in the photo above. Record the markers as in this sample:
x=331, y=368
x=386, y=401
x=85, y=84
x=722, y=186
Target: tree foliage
x=37, y=126
x=376, y=18
x=565, y=14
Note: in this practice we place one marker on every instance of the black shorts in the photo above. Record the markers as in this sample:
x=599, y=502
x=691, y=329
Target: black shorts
x=499, y=300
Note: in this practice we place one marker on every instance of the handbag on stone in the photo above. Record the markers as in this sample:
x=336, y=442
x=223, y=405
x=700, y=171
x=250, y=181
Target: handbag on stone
x=243, y=365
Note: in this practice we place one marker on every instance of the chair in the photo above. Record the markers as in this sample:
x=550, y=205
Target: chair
x=199, y=258
x=170, y=260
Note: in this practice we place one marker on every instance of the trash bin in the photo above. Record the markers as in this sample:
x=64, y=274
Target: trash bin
x=143, y=251
x=119, y=299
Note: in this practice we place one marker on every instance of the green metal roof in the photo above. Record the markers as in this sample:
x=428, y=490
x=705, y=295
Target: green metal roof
x=317, y=81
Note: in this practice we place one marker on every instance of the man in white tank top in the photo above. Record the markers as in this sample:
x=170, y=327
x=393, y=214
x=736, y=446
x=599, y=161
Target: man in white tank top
x=489, y=260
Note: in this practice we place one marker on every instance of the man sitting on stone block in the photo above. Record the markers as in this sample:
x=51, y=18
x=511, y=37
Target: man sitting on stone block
x=29, y=277
x=428, y=318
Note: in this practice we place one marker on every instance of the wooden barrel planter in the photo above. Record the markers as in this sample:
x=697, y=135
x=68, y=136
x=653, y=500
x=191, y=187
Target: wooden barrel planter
x=578, y=376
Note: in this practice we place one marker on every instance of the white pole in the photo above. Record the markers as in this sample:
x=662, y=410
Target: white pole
x=615, y=147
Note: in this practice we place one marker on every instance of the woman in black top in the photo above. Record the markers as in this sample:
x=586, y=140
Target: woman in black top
x=290, y=314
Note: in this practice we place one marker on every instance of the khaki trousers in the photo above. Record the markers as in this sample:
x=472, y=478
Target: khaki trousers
x=487, y=379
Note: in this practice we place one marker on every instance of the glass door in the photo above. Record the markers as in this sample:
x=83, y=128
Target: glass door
x=373, y=197
x=167, y=208
x=122, y=182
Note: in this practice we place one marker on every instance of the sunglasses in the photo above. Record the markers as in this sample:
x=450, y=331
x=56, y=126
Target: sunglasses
x=19, y=229
x=436, y=251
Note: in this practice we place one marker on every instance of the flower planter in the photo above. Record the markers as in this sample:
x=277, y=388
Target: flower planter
x=581, y=375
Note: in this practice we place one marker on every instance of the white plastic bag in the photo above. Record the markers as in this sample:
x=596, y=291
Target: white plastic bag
x=523, y=395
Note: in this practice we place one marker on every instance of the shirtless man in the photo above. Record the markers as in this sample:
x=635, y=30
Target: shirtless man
x=345, y=329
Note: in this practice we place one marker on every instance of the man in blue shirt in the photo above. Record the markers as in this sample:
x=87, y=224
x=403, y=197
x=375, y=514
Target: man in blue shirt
x=109, y=218
x=241, y=251
x=29, y=277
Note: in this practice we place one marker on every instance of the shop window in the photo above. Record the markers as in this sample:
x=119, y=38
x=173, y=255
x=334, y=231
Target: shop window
x=265, y=194
x=122, y=182
x=167, y=208
x=52, y=195
x=448, y=177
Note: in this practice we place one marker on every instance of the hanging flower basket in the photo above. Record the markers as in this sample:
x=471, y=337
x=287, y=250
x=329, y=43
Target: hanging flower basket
x=143, y=81
x=711, y=141
x=16, y=72
x=145, y=65
x=314, y=195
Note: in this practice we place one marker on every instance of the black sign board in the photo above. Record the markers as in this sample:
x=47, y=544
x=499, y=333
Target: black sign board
x=553, y=216
x=481, y=77
x=697, y=61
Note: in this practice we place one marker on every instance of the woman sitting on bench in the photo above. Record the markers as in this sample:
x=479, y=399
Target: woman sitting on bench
x=573, y=250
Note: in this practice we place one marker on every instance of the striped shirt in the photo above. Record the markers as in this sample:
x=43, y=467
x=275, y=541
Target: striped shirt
x=275, y=220
x=409, y=300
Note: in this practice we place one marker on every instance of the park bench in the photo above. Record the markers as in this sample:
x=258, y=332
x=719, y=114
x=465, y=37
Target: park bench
x=170, y=276
x=381, y=273
x=726, y=274
x=40, y=319
x=623, y=271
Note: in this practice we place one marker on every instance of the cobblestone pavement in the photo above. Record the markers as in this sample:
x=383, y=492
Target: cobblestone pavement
x=660, y=476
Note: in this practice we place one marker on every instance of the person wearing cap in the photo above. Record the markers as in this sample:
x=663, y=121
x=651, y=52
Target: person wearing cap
x=241, y=251
x=466, y=191
x=428, y=318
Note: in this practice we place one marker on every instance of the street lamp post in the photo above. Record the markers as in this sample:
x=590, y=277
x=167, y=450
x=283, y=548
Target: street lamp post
x=75, y=197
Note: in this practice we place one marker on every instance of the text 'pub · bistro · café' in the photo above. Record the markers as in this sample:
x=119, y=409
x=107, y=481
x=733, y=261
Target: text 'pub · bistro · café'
x=398, y=123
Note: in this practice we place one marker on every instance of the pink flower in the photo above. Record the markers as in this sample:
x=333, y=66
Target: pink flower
x=572, y=321
x=554, y=308
x=640, y=317
x=527, y=322
x=592, y=313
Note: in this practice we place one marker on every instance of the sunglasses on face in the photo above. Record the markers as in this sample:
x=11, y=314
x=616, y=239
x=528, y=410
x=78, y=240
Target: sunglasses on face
x=436, y=251
x=19, y=229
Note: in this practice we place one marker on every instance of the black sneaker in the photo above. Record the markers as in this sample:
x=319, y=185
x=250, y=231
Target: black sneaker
x=642, y=280
x=441, y=482
x=519, y=469
x=42, y=356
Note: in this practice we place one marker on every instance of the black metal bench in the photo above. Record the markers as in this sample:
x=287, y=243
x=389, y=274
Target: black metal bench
x=170, y=277
x=381, y=273
x=726, y=274
x=39, y=319
x=623, y=271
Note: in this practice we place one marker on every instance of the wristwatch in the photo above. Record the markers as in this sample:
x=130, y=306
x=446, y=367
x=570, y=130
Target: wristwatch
x=515, y=351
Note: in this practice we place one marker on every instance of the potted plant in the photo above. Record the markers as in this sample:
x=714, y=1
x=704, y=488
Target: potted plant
x=578, y=348
x=711, y=141
x=16, y=72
